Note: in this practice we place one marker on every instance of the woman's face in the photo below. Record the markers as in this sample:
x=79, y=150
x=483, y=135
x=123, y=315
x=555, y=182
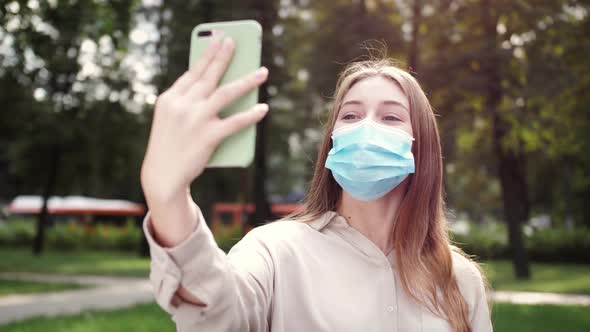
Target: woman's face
x=378, y=98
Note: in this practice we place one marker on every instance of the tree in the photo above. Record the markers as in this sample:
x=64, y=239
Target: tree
x=488, y=72
x=511, y=162
x=414, y=44
x=51, y=36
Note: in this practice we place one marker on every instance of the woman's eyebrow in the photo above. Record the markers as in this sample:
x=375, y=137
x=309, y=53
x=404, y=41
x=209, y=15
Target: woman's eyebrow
x=384, y=102
x=393, y=102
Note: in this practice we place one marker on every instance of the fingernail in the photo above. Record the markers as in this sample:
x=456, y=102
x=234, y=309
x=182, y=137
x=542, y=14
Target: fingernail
x=261, y=73
x=217, y=36
x=228, y=41
x=263, y=108
x=215, y=40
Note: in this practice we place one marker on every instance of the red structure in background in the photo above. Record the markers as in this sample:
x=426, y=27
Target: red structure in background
x=76, y=205
x=135, y=211
x=239, y=210
x=86, y=207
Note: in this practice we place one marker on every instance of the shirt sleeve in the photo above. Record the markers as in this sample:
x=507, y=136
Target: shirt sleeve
x=236, y=288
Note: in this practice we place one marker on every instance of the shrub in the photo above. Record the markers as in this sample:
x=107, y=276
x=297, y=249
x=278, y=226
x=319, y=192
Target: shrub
x=571, y=245
x=485, y=241
x=17, y=232
x=552, y=244
x=227, y=236
x=66, y=235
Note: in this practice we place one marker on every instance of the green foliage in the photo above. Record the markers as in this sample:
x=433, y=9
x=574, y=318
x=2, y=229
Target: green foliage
x=552, y=245
x=565, y=245
x=99, y=143
x=486, y=242
x=17, y=232
x=543, y=76
x=72, y=235
x=65, y=235
x=227, y=236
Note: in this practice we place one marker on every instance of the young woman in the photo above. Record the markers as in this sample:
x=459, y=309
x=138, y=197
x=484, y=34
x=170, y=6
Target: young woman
x=370, y=252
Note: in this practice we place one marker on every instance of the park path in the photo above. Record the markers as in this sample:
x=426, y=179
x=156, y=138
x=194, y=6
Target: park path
x=108, y=293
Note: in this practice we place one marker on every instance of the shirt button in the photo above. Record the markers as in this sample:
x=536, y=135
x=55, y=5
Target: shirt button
x=390, y=308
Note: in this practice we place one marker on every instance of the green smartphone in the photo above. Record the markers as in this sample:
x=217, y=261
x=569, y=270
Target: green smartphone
x=238, y=149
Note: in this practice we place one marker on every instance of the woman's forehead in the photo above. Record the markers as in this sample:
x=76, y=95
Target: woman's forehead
x=376, y=89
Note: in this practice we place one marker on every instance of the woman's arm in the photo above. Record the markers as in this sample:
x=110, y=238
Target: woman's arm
x=225, y=292
x=188, y=268
x=182, y=208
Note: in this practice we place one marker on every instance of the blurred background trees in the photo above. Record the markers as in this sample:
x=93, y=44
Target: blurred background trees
x=508, y=80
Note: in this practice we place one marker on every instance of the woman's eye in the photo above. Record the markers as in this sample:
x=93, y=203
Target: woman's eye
x=390, y=118
x=348, y=117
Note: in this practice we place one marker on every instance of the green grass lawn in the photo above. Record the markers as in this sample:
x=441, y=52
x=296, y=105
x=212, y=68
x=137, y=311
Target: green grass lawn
x=149, y=317
x=74, y=262
x=546, y=277
x=566, y=278
x=10, y=287
x=540, y=318
x=146, y=317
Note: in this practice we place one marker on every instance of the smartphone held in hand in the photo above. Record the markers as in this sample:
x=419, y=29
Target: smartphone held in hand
x=238, y=149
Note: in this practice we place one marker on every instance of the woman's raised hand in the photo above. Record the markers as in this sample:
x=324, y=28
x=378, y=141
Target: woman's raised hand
x=186, y=128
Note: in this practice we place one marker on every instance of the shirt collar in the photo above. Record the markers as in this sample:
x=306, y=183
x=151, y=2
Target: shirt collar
x=339, y=224
x=323, y=220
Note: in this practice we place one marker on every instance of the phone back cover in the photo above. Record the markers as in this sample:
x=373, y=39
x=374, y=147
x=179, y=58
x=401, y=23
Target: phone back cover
x=238, y=149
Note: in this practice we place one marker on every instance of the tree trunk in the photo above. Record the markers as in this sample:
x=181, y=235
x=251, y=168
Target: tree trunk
x=267, y=17
x=416, y=20
x=511, y=163
x=144, y=247
x=514, y=197
x=49, y=189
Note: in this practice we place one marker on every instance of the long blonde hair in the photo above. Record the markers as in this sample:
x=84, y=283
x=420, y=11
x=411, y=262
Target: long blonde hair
x=422, y=244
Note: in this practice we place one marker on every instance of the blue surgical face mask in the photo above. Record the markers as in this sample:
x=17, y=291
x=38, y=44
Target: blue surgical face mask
x=369, y=159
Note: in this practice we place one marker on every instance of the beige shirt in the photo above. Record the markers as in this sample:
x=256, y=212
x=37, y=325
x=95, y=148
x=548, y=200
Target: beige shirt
x=292, y=276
